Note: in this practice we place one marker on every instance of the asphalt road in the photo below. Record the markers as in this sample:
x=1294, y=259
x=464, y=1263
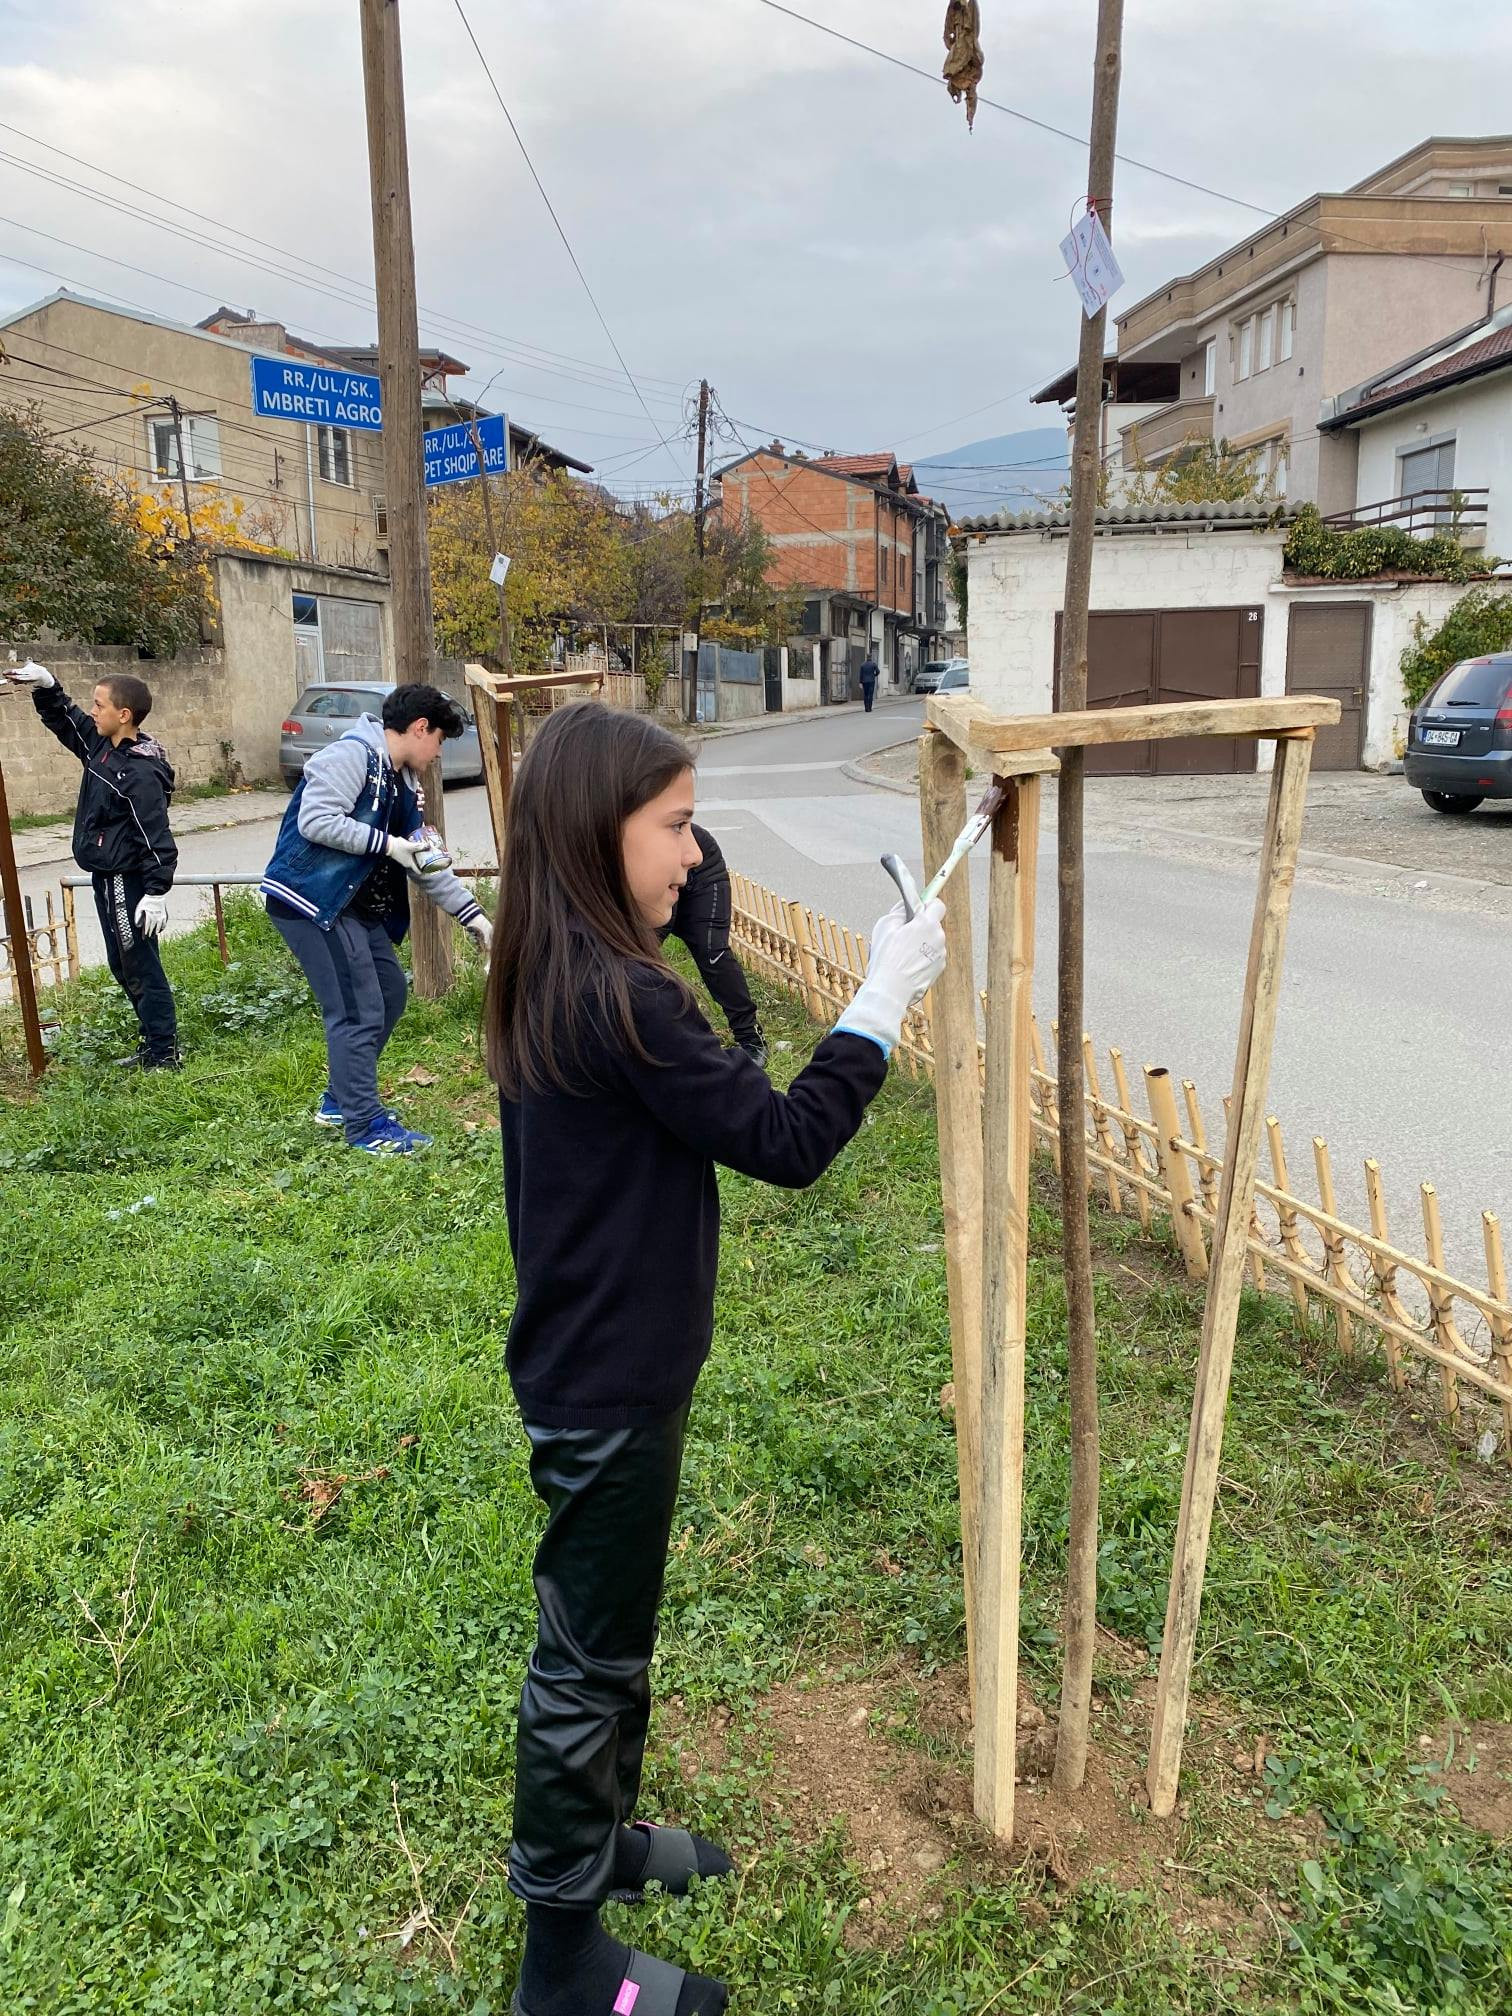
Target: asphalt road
x=1392, y=1039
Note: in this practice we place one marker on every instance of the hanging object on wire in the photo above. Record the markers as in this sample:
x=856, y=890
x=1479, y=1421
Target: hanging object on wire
x=963, y=54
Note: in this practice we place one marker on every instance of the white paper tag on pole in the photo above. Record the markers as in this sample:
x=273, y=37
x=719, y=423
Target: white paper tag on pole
x=499, y=569
x=1090, y=262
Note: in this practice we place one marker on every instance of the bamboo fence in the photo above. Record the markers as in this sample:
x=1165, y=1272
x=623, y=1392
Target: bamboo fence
x=1422, y=1315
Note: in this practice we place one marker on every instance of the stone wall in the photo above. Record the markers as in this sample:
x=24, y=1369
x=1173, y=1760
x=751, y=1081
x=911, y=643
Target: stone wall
x=188, y=716
x=217, y=710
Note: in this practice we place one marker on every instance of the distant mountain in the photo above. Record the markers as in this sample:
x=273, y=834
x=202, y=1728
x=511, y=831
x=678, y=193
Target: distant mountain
x=1009, y=472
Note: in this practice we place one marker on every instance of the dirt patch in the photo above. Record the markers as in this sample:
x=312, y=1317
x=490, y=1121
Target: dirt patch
x=1476, y=1764
x=886, y=1756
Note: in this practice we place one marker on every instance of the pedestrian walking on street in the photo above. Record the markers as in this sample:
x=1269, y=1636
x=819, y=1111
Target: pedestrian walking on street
x=121, y=839
x=352, y=846
x=617, y=1101
x=870, y=673
x=702, y=921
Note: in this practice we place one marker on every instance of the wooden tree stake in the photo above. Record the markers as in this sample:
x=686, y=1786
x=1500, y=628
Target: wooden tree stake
x=1007, y=1136
x=958, y=1104
x=1257, y=1025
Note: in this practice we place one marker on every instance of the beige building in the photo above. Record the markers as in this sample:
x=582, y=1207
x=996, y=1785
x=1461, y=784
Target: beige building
x=108, y=378
x=1339, y=288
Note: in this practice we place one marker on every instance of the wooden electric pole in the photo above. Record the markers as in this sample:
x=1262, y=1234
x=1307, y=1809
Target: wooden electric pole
x=403, y=424
x=1080, y=1621
x=698, y=539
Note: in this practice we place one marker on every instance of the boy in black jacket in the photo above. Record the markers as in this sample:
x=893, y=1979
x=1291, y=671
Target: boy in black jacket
x=121, y=838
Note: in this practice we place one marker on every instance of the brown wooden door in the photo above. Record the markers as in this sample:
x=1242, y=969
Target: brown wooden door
x=1328, y=652
x=1207, y=654
x=1141, y=657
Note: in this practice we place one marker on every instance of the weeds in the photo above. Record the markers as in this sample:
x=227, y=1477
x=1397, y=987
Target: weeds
x=328, y=1657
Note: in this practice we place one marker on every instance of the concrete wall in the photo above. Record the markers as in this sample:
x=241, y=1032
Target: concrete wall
x=1479, y=416
x=257, y=631
x=800, y=676
x=188, y=717
x=1017, y=582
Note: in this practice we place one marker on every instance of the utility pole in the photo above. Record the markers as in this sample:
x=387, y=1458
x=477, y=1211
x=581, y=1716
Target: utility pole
x=177, y=412
x=403, y=449
x=698, y=539
x=1080, y=1622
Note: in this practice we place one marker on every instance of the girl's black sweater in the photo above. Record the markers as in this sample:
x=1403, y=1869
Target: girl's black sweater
x=614, y=1208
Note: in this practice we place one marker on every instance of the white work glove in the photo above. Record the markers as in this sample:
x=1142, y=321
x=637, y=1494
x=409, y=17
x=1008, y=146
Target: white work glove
x=151, y=915
x=481, y=933
x=907, y=957
x=30, y=674
x=402, y=851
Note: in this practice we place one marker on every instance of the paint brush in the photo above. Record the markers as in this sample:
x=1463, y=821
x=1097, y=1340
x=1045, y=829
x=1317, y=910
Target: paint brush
x=974, y=829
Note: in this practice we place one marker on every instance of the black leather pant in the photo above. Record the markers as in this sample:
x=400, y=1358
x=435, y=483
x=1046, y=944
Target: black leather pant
x=586, y=1702
x=702, y=921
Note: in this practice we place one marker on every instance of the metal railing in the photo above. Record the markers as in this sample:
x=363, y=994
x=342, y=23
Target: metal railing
x=1424, y=513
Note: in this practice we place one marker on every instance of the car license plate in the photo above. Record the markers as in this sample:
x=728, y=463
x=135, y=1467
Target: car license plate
x=1440, y=738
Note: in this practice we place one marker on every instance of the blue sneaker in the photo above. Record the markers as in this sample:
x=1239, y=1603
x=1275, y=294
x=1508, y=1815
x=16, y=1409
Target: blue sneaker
x=328, y=1113
x=387, y=1137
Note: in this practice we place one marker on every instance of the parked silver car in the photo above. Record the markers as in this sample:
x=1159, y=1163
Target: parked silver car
x=931, y=674
x=321, y=713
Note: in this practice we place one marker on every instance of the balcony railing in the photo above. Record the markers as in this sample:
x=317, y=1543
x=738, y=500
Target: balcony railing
x=1426, y=513
x=1161, y=433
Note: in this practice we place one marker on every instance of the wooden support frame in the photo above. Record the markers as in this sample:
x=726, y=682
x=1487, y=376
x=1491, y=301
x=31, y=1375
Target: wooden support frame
x=494, y=696
x=985, y=1182
x=1236, y=1196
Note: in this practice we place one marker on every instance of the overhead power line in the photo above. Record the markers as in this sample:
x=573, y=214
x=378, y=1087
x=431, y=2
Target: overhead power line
x=324, y=272
x=560, y=231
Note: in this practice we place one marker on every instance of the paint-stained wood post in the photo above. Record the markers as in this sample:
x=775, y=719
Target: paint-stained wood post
x=958, y=1107
x=1007, y=1136
x=1257, y=1026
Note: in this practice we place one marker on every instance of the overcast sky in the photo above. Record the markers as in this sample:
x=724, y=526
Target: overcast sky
x=811, y=227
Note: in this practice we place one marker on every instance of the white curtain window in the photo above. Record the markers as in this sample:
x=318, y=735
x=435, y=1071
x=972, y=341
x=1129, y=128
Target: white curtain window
x=1278, y=474
x=336, y=458
x=201, y=436
x=1209, y=368
x=1246, y=348
x=1267, y=343
x=1285, y=329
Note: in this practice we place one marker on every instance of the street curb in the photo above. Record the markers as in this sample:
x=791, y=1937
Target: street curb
x=715, y=730
x=859, y=775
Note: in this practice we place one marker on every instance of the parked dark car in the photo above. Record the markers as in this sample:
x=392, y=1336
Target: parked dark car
x=932, y=671
x=321, y=713
x=1459, y=739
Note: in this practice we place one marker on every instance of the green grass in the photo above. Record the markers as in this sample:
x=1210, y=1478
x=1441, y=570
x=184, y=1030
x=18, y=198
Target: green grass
x=209, y=1306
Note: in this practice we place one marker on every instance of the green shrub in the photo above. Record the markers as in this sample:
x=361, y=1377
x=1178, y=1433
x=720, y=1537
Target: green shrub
x=1479, y=622
x=1315, y=548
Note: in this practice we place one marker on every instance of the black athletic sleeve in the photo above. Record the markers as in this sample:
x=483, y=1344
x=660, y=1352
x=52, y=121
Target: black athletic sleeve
x=69, y=723
x=721, y=1104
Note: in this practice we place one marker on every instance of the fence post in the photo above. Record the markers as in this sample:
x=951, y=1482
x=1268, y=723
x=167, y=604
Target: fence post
x=1173, y=1170
x=808, y=967
x=71, y=931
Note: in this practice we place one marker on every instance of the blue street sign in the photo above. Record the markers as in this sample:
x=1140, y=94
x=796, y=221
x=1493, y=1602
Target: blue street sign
x=450, y=456
x=320, y=395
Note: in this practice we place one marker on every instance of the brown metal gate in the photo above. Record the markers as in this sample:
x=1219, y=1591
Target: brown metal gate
x=1141, y=657
x=1328, y=652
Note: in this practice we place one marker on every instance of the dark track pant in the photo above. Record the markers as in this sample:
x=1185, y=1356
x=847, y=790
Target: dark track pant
x=360, y=986
x=136, y=963
x=586, y=1702
x=868, y=693
x=702, y=921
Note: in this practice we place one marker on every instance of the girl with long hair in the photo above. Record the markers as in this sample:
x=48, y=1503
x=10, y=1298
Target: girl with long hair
x=617, y=1101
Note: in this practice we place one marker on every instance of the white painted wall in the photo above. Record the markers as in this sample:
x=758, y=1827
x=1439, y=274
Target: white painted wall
x=1017, y=581
x=1479, y=416
x=800, y=677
